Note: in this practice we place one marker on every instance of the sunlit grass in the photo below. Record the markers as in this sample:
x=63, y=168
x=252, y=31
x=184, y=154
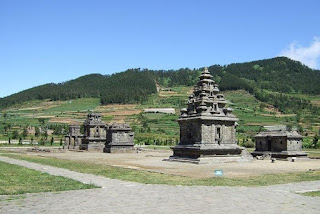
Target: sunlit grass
x=18, y=180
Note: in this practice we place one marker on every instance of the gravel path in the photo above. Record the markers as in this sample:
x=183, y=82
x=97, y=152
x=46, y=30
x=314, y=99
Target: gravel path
x=127, y=197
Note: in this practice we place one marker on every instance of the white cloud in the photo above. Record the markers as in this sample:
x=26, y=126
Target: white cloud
x=309, y=56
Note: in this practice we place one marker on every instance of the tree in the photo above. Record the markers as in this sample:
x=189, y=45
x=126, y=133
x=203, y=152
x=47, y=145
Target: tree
x=41, y=141
x=15, y=134
x=42, y=120
x=315, y=141
x=5, y=115
x=46, y=134
x=37, y=131
x=25, y=133
x=6, y=130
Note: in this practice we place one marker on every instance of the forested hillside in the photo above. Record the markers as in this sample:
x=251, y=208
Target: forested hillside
x=261, y=78
x=126, y=87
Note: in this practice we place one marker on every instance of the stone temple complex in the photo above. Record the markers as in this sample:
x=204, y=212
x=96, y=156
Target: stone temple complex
x=207, y=127
x=119, y=138
x=280, y=144
x=94, y=133
x=116, y=138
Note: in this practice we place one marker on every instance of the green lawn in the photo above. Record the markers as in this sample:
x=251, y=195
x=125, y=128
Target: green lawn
x=158, y=178
x=312, y=194
x=85, y=104
x=19, y=180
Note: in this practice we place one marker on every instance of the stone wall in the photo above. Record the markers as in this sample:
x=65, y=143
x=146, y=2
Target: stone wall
x=294, y=144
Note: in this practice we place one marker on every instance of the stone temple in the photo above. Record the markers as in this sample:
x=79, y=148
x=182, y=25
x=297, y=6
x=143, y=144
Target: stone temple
x=119, y=138
x=281, y=144
x=207, y=127
x=74, y=138
x=94, y=133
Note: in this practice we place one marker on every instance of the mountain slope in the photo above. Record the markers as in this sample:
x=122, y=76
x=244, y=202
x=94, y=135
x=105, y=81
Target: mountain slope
x=278, y=75
x=125, y=87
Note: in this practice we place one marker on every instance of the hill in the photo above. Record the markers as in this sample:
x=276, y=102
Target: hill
x=269, y=80
x=125, y=87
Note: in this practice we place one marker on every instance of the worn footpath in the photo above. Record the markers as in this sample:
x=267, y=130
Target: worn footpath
x=117, y=196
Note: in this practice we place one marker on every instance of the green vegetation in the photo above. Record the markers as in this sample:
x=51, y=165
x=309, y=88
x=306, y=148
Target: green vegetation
x=312, y=194
x=276, y=91
x=19, y=180
x=158, y=178
x=85, y=104
x=131, y=86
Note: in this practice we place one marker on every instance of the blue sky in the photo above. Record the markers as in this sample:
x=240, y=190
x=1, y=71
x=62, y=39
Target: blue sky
x=43, y=41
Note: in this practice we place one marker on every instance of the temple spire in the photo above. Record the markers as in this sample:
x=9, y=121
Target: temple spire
x=206, y=99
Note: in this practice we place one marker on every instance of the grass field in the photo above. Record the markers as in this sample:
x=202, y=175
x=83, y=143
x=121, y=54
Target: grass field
x=19, y=180
x=158, y=178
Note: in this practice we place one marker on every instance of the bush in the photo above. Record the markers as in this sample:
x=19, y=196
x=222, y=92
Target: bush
x=247, y=144
x=41, y=142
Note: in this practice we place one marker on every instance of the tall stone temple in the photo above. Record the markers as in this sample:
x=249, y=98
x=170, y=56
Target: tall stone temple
x=207, y=127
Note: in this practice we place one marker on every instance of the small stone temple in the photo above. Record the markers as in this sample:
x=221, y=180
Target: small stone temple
x=94, y=133
x=207, y=127
x=73, y=139
x=280, y=144
x=119, y=138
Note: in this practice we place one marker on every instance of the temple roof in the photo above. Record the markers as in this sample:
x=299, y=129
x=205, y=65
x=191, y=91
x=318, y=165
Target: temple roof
x=206, y=99
x=279, y=133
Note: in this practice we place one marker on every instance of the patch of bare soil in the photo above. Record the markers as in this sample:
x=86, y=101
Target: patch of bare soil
x=316, y=102
x=44, y=105
x=63, y=120
x=152, y=160
x=278, y=115
x=271, y=108
x=122, y=112
x=260, y=124
x=167, y=93
x=114, y=107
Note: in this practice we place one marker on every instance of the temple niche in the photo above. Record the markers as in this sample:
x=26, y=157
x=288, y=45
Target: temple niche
x=207, y=127
x=119, y=138
x=73, y=139
x=94, y=133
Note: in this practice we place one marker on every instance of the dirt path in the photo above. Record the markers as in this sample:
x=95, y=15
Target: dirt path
x=127, y=197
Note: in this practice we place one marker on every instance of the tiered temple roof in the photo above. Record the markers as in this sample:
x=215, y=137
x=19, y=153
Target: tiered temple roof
x=206, y=99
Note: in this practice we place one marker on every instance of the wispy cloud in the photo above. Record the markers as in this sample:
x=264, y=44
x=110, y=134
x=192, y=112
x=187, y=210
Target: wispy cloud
x=309, y=56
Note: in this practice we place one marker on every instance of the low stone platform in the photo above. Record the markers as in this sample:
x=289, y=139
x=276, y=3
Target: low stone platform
x=119, y=149
x=209, y=154
x=284, y=155
x=97, y=145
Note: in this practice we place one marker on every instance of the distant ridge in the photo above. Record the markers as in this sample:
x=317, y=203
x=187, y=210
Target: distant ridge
x=278, y=74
